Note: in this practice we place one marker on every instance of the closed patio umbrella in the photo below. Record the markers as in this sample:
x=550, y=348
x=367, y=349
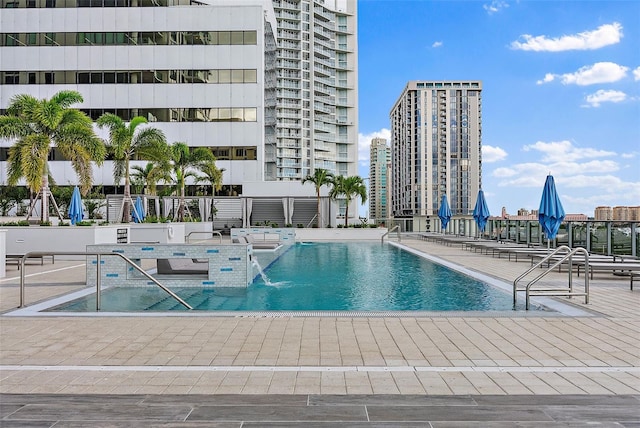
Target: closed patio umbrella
x=75, y=206
x=444, y=212
x=138, y=212
x=481, y=211
x=550, y=213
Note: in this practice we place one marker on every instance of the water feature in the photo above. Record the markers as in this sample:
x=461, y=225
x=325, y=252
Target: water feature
x=256, y=265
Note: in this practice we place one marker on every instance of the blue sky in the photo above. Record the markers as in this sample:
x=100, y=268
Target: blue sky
x=561, y=89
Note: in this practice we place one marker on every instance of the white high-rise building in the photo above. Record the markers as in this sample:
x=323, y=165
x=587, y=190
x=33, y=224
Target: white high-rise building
x=436, y=147
x=269, y=85
x=202, y=73
x=317, y=90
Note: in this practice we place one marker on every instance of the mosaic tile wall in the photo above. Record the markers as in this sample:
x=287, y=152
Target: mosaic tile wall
x=229, y=265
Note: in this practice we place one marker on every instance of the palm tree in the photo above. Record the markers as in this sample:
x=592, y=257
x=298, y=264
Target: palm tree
x=320, y=177
x=181, y=160
x=38, y=126
x=213, y=176
x=349, y=187
x=127, y=141
x=149, y=176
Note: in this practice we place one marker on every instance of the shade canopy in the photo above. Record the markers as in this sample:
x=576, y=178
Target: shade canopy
x=138, y=212
x=75, y=206
x=444, y=212
x=550, y=213
x=481, y=211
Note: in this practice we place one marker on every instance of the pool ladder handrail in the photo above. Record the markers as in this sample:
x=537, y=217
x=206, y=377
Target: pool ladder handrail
x=98, y=255
x=396, y=227
x=568, y=255
x=212, y=233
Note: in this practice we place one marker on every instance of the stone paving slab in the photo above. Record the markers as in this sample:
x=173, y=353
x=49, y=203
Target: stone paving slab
x=311, y=410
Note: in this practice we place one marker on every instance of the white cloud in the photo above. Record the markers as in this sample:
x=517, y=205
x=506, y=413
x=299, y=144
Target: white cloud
x=495, y=6
x=629, y=155
x=364, y=144
x=603, y=96
x=547, y=78
x=605, y=35
x=586, y=177
x=600, y=72
x=565, y=151
x=492, y=154
x=636, y=74
x=436, y=44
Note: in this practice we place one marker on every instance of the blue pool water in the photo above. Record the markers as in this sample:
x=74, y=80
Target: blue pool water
x=324, y=277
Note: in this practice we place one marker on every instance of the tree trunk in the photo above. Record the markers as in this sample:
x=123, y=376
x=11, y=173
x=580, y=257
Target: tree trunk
x=318, y=209
x=346, y=215
x=181, y=205
x=126, y=210
x=44, y=201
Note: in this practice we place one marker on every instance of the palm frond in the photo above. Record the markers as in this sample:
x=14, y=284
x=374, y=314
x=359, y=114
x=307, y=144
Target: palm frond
x=67, y=98
x=13, y=127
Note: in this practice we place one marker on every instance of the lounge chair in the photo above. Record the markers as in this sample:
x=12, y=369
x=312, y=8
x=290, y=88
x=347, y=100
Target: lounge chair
x=261, y=245
x=182, y=267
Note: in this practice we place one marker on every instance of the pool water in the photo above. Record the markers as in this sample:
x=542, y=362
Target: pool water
x=324, y=277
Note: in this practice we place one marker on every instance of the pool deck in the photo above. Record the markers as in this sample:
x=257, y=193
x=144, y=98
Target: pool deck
x=483, y=369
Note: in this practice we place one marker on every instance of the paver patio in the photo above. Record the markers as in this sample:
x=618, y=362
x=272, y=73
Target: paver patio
x=503, y=354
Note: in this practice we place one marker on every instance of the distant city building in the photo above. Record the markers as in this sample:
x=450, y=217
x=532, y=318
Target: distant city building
x=619, y=213
x=603, y=213
x=380, y=157
x=436, y=147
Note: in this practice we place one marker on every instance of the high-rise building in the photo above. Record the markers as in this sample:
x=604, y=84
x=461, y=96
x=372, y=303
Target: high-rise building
x=317, y=90
x=436, y=147
x=204, y=73
x=379, y=162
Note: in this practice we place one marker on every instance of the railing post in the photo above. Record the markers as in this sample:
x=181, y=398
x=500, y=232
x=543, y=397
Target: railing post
x=98, y=285
x=21, y=267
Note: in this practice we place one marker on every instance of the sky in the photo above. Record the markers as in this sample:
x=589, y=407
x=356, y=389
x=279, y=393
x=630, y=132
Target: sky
x=560, y=90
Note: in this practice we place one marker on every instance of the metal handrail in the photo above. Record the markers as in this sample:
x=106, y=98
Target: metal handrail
x=98, y=254
x=213, y=233
x=568, y=255
x=313, y=218
x=396, y=227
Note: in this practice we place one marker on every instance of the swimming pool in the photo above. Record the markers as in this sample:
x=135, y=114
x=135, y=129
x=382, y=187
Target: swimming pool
x=352, y=276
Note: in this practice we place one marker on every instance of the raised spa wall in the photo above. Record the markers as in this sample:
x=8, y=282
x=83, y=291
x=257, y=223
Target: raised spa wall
x=229, y=265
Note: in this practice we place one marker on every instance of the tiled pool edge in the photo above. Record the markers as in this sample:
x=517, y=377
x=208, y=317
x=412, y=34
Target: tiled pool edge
x=555, y=307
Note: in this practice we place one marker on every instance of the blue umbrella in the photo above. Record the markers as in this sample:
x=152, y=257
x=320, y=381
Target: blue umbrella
x=75, y=206
x=550, y=213
x=444, y=212
x=481, y=211
x=138, y=212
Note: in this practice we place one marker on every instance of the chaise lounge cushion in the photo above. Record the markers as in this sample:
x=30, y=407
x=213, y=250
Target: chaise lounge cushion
x=181, y=266
x=262, y=245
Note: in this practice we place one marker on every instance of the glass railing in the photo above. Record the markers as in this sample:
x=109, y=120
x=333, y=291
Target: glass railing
x=598, y=237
